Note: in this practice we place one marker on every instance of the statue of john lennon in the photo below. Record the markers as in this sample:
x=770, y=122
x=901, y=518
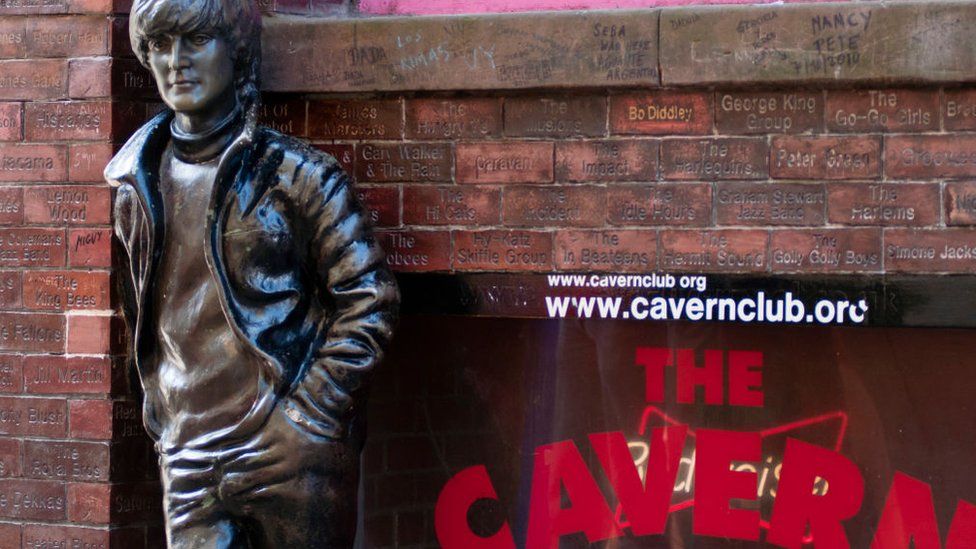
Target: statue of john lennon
x=257, y=298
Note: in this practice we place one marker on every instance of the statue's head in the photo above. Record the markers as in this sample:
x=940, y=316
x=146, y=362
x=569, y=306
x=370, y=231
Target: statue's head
x=202, y=53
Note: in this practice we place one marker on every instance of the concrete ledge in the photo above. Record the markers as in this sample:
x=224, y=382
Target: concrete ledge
x=848, y=43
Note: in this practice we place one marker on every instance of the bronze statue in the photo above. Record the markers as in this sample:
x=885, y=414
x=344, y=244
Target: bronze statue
x=257, y=298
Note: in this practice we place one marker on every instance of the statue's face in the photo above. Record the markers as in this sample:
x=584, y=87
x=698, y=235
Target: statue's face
x=194, y=71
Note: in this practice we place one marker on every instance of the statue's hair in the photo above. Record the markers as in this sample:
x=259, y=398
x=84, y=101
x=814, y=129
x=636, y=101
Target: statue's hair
x=238, y=22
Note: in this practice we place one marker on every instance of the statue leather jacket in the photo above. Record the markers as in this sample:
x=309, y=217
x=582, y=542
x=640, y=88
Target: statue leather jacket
x=301, y=279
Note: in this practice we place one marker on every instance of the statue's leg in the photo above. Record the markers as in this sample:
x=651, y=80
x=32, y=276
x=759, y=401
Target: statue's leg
x=195, y=518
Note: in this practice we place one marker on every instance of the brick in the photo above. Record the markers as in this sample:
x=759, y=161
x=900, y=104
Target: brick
x=556, y=116
x=89, y=503
x=11, y=374
x=883, y=204
x=32, y=500
x=13, y=37
x=11, y=122
x=75, y=461
x=67, y=36
x=10, y=460
x=960, y=203
x=382, y=203
x=90, y=247
x=87, y=161
x=128, y=116
x=130, y=79
x=417, y=162
x=132, y=503
x=356, y=119
x=33, y=79
x=91, y=419
x=11, y=290
x=126, y=420
x=11, y=206
x=89, y=335
x=417, y=251
x=10, y=533
x=87, y=77
x=614, y=251
x=672, y=204
x=32, y=247
x=68, y=121
x=569, y=206
x=959, y=111
x=33, y=162
x=606, y=160
x=284, y=115
x=720, y=158
x=510, y=162
x=32, y=332
x=345, y=155
x=883, y=110
x=713, y=251
x=451, y=205
x=59, y=291
x=476, y=118
x=61, y=375
x=47, y=535
x=930, y=156
x=930, y=251
x=825, y=250
x=74, y=205
x=134, y=459
x=769, y=112
x=747, y=203
x=825, y=157
x=99, y=6
x=513, y=251
x=33, y=417
x=661, y=113
x=27, y=7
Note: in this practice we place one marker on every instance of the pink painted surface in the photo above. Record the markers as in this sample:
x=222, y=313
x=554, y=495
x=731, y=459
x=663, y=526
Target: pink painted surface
x=430, y=7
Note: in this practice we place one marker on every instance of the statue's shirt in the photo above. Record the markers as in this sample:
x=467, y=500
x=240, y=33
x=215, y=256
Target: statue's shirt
x=205, y=387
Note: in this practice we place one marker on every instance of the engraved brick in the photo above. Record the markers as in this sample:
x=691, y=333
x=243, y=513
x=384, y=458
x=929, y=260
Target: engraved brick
x=77, y=461
x=136, y=502
x=362, y=119
x=382, y=203
x=134, y=459
x=721, y=158
x=453, y=118
x=554, y=116
x=68, y=121
x=10, y=463
x=883, y=204
x=32, y=7
x=74, y=205
x=32, y=500
x=607, y=160
x=90, y=247
x=33, y=332
x=959, y=110
x=672, y=204
x=11, y=125
x=13, y=37
x=11, y=206
x=746, y=203
x=883, y=110
x=284, y=115
x=615, y=251
x=930, y=156
x=512, y=251
x=417, y=251
x=451, y=205
x=661, y=113
x=713, y=251
x=33, y=162
x=35, y=417
x=67, y=537
x=89, y=335
x=11, y=374
x=58, y=291
x=91, y=419
x=131, y=79
x=32, y=247
x=569, y=206
x=75, y=375
x=344, y=154
x=769, y=112
x=960, y=203
x=33, y=79
x=825, y=250
x=417, y=162
x=930, y=251
x=525, y=162
x=67, y=36
x=825, y=157
x=87, y=77
x=87, y=161
x=89, y=503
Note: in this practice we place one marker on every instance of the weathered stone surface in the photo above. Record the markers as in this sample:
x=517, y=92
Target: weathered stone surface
x=918, y=41
x=616, y=48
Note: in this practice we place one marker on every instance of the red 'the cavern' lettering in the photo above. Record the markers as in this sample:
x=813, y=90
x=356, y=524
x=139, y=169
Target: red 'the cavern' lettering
x=717, y=483
x=451, y=513
x=744, y=375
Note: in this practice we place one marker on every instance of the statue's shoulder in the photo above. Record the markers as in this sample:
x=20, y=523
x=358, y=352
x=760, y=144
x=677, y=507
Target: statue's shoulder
x=147, y=140
x=294, y=152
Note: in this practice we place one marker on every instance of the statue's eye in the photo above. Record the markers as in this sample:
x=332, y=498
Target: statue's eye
x=201, y=39
x=159, y=43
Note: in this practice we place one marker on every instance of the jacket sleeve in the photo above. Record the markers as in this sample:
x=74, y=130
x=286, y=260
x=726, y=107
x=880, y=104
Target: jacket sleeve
x=124, y=229
x=354, y=281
